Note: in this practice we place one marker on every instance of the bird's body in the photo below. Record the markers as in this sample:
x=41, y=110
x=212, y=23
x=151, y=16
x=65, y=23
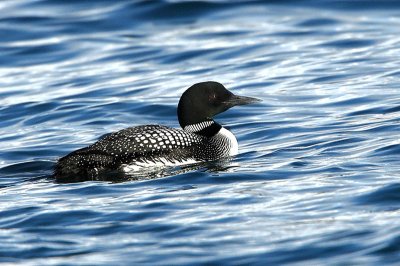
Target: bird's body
x=135, y=148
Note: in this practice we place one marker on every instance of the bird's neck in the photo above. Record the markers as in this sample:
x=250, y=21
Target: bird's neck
x=207, y=128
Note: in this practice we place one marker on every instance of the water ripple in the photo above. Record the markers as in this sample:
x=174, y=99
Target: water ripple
x=316, y=180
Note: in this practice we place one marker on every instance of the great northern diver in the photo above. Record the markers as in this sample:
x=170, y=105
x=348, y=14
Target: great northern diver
x=135, y=148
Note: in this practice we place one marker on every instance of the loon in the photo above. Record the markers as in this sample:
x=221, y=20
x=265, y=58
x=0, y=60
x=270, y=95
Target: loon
x=136, y=148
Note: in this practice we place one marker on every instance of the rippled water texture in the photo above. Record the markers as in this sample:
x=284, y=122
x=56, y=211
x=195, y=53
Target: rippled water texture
x=317, y=178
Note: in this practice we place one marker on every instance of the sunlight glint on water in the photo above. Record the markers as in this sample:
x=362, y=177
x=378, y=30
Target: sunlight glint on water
x=317, y=177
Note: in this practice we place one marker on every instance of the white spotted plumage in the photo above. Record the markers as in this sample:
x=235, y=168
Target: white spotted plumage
x=224, y=143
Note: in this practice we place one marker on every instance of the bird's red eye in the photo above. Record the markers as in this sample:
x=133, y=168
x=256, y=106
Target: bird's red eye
x=212, y=97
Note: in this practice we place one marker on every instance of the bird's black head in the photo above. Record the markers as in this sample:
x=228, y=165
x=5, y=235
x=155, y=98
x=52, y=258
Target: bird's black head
x=204, y=100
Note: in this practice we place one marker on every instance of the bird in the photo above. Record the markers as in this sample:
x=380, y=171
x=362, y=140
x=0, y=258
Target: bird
x=136, y=148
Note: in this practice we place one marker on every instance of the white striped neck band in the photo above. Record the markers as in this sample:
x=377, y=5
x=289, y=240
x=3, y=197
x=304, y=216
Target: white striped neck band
x=199, y=126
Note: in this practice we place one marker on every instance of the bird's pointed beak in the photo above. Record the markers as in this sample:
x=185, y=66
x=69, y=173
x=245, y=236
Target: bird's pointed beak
x=240, y=100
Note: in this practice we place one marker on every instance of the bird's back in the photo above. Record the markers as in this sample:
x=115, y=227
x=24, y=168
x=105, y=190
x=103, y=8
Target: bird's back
x=131, y=148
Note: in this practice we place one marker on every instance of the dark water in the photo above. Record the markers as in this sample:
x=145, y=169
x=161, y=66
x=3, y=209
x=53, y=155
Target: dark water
x=317, y=180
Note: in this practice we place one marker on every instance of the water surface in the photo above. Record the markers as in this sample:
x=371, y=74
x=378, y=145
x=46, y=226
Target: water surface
x=317, y=177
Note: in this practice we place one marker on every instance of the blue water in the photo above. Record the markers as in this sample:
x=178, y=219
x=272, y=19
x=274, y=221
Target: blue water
x=317, y=180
